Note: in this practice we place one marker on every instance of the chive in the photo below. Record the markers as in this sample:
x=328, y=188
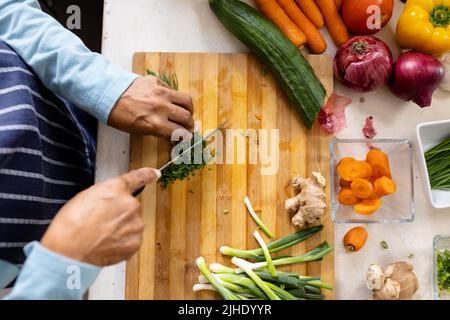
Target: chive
x=438, y=165
x=384, y=245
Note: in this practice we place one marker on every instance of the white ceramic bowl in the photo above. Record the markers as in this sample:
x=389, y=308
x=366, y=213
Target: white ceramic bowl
x=429, y=135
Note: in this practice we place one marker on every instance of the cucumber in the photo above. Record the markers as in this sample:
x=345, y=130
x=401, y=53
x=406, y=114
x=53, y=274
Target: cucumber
x=292, y=71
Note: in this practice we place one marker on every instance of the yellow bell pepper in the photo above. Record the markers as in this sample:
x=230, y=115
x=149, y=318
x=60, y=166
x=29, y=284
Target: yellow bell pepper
x=425, y=26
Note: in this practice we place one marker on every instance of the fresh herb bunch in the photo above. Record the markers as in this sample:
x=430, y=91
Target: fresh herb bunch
x=438, y=163
x=183, y=170
x=171, y=80
x=443, y=266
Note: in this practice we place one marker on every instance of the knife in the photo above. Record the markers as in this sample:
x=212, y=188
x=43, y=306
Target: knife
x=209, y=135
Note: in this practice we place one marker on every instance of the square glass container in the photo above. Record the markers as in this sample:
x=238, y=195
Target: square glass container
x=396, y=208
x=440, y=243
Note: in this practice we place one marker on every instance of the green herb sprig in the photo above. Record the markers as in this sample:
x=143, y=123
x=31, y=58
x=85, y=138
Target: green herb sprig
x=438, y=164
x=443, y=269
x=183, y=170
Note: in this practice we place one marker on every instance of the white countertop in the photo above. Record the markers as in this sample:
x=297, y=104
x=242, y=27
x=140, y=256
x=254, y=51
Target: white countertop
x=188, y=25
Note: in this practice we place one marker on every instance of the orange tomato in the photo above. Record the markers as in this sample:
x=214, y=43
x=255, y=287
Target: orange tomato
x=363, y=17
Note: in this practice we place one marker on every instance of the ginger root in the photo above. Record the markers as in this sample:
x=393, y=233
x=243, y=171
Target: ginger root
x=397, y=282
x=308, y=206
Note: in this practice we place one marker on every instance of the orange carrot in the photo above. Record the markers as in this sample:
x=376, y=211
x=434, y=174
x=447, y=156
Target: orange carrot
x=338, y=4
x=309, y=7
x=335, y=24
x=346, y=159
x=272, y=10
x=384, y=186
x=362, y=188
x=367, y=206
x=347, y=198
x=351, y=170
x=344, y=183
x=379, y=162
x=355, y=239
x=314, y=39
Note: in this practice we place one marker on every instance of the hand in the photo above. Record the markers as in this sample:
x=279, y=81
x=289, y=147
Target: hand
x=149, y=106
x=101, y=225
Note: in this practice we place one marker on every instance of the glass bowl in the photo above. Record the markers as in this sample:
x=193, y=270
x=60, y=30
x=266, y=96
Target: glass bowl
x=396, y=208
x=439, y=243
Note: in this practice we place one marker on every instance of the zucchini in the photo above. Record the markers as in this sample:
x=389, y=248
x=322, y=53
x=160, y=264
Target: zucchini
x=292, y=71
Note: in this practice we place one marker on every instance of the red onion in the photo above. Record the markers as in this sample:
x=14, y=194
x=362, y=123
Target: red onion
x=363, y=63
x=415, y=77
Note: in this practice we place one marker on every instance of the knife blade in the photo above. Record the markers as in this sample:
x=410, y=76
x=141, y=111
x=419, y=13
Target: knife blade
x=209, y=135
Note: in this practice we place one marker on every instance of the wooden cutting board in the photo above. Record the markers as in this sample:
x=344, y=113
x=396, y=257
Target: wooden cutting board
x=195, y=217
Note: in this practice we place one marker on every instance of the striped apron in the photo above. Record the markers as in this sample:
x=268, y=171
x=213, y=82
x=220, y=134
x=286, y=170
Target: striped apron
x=47, y=152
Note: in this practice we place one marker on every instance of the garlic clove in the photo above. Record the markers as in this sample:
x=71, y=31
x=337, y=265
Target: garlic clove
x=375, y=277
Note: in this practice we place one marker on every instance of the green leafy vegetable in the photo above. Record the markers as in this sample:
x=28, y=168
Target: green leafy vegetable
x=438, y=164
x=183, y=170
x=384, y=245
x=443, y=269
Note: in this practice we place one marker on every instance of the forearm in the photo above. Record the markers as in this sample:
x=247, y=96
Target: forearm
x=61, y=60
x=50, y=276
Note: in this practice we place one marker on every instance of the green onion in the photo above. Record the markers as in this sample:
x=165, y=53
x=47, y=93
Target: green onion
x=287, y=281
x=226, y=294
x=316, y=254
x=256, y=218
x=263, y=245
x=262, y=258
x=320, y=284
x=220, y=268
x=438, y=165
x=275, y=246
x=243, y=282
x=245, y=266
x=283, y=294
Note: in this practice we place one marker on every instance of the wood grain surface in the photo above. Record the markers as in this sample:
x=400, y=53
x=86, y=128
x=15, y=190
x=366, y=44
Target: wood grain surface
x=196, y=216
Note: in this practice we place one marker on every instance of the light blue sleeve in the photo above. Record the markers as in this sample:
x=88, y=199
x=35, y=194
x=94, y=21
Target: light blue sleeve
x=50, y=276
x=61, y=60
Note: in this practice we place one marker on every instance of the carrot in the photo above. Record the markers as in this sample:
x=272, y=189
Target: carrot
x=346, y=159
x=335, y=25
x=379, y=162
x=338, y=4
x=314, y=39
x=355, y=239
x=367, y=206
x=347, y=197
x=362, y=188
x=351, y=170
x=309, y=7
x=384, y=186
x=272, y=10
x=344, y=183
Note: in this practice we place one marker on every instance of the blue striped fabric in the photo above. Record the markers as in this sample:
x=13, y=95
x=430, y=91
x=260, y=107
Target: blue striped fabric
x=46, y=155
